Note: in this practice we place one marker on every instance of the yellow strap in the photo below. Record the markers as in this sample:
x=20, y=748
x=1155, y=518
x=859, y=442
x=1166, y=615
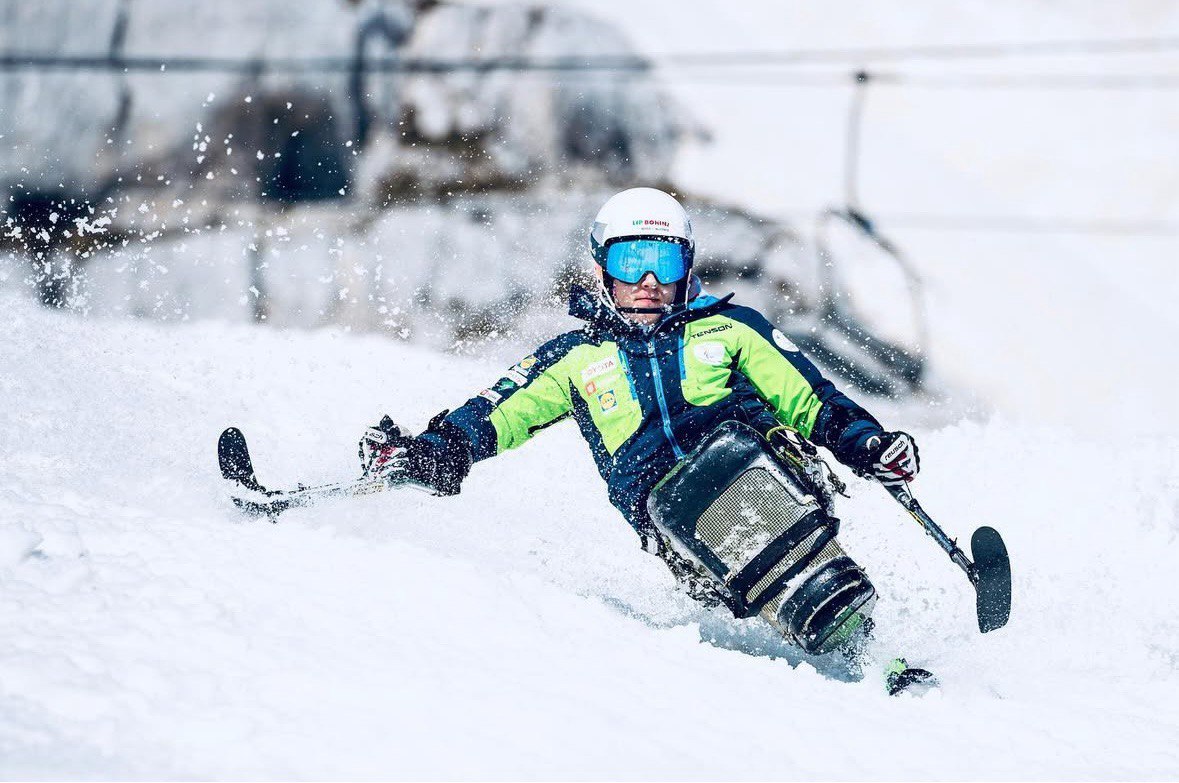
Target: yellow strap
x=780, y=427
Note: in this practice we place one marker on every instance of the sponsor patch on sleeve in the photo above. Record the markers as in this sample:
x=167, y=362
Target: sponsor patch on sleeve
x=527, y=363
x=710, y=352
x=784, y=342
x=491, y=396
x=517, y=377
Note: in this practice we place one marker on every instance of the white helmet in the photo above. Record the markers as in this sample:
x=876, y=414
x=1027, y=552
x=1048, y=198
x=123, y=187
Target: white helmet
x=639, y=213
x=642, y=213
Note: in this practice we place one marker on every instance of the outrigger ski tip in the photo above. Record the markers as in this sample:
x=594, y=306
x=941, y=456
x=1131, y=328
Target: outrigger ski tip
x=233, y=457
x=992, y=578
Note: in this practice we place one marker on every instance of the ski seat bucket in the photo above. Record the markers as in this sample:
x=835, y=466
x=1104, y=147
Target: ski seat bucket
x=749, y=523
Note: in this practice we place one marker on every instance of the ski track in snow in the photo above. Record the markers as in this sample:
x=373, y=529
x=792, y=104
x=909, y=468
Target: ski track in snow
x=517, y=631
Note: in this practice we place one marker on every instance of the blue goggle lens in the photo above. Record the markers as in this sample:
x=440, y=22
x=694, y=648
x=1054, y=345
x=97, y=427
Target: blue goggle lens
x=629, y=260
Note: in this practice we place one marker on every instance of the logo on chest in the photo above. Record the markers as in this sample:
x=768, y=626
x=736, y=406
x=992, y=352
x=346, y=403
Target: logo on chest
x=713, y=330
x=608, y=401
x=600, y=367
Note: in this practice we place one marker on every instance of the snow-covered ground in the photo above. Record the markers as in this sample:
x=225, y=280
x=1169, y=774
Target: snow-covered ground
x=516, y=631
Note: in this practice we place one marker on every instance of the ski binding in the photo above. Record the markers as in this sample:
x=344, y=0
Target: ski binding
x=899, y=678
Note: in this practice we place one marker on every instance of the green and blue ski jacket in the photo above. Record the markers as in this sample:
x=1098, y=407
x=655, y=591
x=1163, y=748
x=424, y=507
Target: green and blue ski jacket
x=645, y=398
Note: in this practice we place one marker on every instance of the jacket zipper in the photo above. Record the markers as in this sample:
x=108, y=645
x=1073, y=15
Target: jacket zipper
x=658, y=377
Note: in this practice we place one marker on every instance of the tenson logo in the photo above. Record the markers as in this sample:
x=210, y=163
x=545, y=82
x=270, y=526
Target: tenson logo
x=652, y=223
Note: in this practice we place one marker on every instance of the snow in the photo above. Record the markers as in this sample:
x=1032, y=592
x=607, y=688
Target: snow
x=517, y=631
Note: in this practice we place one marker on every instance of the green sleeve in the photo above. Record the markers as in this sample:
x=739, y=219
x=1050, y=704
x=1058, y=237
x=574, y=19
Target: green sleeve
x=542, y=401
x=778, y=372
x=531, y=395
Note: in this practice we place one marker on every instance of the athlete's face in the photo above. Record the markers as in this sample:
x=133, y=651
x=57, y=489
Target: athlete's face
x=648, y=292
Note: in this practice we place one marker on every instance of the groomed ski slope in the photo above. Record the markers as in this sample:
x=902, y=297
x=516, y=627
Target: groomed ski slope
x=516, y=631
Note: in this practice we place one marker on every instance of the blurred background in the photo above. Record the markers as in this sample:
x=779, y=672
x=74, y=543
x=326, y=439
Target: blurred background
x=968, y=206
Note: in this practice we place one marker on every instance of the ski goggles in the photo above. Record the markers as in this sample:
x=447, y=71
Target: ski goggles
x=629, y=260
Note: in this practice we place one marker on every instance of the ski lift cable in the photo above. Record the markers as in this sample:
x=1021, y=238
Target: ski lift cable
x=577, y=66
x=1089, y=47
x=1161, y=81
x=1031, y=225
x=1033, y=81
x=1010, y=224
x=1110, y=46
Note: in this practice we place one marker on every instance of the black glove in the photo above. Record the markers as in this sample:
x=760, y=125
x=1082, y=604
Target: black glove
x=890, y=457
x=439, y=458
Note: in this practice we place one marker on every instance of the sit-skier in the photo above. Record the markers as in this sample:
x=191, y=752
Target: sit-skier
x=656, y=369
